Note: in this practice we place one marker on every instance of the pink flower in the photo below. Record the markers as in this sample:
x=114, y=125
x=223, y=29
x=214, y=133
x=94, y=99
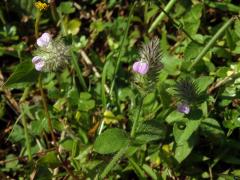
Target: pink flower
x=44, y=40
x=38, y=62
x=140, y=67
x=183, y=108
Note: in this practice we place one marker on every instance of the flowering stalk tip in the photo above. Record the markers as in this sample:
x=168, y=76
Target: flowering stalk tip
x=51, y=54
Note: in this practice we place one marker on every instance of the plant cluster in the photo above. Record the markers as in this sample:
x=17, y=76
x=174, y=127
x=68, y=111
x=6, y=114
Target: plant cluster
x=119, y=89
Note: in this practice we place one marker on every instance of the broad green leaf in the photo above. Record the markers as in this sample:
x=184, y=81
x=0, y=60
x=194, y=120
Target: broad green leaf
x=191, y=20
x=171, y=65
x=43, y=173
x=85, y=102
x=73, y=96
x=184, y=149
x=66, y=7
x=111, y=141
x=192, y=51
x=174, y=117
x=24, y=73
x=50, y=160
x=187, y=140
x=150, y=131
x=203, y=82
x=191, y=127
x=73, y=26
x=211, y=128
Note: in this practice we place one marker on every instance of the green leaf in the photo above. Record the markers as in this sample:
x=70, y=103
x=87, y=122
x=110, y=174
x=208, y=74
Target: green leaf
x=187, y=140
x=211, y=128
x=73, y=26
x=192, y=51
x=85, y=103
x=66, y=7
x=171, y=65
x=174, y=116
x=150, y=131
x=184, y=149
x=191, y=20
x=50, y=160
x=73, y=96
x=111, y=141
x=149, y=171
x=24, y=73
x=203, y=82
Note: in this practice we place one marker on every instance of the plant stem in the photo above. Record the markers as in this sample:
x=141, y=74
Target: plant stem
x=36, y=25
x=121, y=49
x=162, y=15
x=44, y=101
x=211, y=43
x=78, y=70
x=108, y=168
x=28, y=145
x=53, y=10
x=137, y=168
x=136, y=121
x=24, y=122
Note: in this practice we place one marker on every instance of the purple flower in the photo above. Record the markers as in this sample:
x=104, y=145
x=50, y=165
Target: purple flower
x=140, y=67
x=183, y=108
x=44, y=40
x=38, y=62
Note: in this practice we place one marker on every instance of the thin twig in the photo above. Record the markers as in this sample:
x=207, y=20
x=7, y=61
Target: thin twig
x=224, y=81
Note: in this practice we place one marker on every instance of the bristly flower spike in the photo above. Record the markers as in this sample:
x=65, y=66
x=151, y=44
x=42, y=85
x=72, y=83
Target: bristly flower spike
x=187, y=91
x=51, y=55
x=147, y=69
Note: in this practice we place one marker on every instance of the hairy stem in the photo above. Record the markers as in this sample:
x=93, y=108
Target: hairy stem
x=120, y=50
x=211, y=43
x=24, y=123
x=136, y=121
x=36, y=25
x=162, y=15
x=109, y=167
x=44, y=101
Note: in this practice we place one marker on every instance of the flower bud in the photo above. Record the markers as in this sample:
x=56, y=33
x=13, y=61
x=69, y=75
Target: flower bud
x=140, y=67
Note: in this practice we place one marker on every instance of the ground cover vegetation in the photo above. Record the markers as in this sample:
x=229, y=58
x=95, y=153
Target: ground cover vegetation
x=119, y=89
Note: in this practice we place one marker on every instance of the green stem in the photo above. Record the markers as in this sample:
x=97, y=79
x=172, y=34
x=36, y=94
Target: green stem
x=136, y=121
x=79, y=73
x=137, y=168
x=36, y=25
x=24, y=123
x=120, y=51
x=28, y=145
x=211, y=43
x=108, y=168
x=162, y=15
x=53, y=10
x=44, y=101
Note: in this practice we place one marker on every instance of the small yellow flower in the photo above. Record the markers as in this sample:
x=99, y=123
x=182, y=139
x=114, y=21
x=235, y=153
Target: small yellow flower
x=41, y=6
